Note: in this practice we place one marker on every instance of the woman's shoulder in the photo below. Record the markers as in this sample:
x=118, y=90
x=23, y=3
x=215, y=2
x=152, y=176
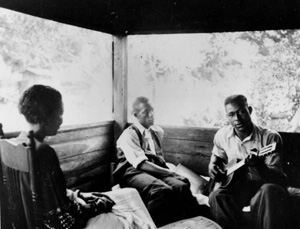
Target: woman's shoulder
x=46, y=152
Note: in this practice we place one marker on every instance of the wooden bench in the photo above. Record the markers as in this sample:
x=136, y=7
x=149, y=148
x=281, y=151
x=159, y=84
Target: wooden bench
x=85, y=152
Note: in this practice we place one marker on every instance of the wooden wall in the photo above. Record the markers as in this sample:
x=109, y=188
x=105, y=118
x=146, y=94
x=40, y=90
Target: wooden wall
x=84, y=153
x=192, y=146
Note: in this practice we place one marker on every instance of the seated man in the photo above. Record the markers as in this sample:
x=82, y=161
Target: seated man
x=260, y=184
x=141, y=165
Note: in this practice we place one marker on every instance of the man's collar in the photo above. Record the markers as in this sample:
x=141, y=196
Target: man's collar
x=230, y=132
x=252, y=136
x=140, y=127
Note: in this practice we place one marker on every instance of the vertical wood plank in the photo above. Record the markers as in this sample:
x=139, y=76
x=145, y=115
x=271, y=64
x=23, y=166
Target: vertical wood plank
x=120, y=66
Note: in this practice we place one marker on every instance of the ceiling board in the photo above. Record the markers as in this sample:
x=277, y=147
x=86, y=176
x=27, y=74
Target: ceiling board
x=122, y=17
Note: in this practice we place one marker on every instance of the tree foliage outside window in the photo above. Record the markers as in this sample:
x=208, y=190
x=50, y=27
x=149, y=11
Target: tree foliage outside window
x=188, y=76
x=73, y=60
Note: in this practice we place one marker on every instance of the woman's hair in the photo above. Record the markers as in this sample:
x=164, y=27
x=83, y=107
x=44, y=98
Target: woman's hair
x=39, y=102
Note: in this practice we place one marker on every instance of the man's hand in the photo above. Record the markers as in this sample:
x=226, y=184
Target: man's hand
x=216, y=172
x=181, y=178
x=253, y=160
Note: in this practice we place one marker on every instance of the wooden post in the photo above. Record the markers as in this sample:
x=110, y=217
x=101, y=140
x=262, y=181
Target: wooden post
x=120, y=63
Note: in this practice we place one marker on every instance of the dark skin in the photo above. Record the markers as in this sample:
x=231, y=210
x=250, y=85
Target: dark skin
x=144, y=113
x=239, y=116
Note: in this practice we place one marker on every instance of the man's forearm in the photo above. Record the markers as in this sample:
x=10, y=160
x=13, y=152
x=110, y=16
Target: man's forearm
x=153, y=169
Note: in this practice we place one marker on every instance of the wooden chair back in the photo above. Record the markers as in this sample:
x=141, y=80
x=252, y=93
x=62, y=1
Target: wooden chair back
x=19, y=162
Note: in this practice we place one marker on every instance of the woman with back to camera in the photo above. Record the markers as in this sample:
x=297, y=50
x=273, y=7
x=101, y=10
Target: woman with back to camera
x=62, y=208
